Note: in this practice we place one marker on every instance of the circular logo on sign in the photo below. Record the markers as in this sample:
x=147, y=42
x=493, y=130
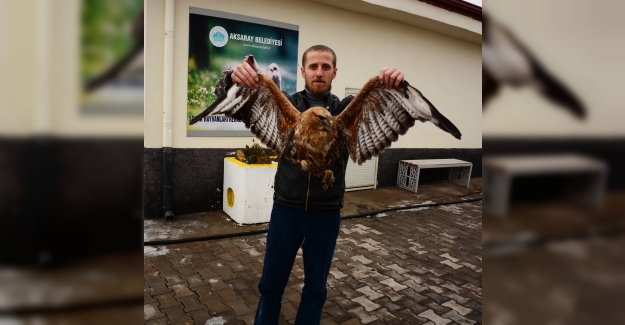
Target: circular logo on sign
x=218, y=36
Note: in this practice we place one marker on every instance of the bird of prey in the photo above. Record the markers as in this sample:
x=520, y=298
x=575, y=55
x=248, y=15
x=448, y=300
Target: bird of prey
x=273, y=71
x=506, y=61
x=315, y=139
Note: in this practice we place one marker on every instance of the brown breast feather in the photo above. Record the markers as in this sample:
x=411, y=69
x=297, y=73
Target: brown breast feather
x=314, y=145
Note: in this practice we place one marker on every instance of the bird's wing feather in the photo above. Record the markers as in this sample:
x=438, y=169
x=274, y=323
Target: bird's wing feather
x=266, y=111
x=377, y=116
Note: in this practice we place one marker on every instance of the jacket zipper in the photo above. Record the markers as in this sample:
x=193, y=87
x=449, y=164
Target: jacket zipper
x=308, y=189
x=307, y=192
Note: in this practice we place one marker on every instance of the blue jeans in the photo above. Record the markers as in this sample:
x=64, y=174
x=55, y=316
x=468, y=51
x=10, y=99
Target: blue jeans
x=288, y=228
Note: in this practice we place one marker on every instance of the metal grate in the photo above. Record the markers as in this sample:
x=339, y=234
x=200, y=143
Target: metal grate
x=408, y=177
x=460, y=176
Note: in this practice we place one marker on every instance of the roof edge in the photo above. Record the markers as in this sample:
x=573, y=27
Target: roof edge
x=458, y=6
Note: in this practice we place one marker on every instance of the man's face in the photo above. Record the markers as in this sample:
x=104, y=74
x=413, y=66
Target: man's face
x=318, y=72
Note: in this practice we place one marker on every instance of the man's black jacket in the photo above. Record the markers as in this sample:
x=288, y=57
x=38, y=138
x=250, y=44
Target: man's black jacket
x=297, y=188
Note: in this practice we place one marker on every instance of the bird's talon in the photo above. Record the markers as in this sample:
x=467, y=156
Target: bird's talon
x=328, y=179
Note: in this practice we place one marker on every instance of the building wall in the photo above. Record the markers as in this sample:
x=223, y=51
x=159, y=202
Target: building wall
x=198, y=174
x=446, y=69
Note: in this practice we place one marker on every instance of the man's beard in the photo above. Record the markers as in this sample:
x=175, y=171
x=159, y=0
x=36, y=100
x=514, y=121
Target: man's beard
x=318, y=90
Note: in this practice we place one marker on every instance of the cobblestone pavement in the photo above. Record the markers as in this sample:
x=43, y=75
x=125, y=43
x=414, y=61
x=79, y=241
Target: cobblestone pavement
x=418, y=266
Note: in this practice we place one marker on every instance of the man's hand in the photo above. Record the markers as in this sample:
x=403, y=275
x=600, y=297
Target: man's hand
x=245, y=76
x=390, y=76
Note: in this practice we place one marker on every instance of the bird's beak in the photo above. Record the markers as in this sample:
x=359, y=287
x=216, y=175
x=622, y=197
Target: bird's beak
x=327, y=124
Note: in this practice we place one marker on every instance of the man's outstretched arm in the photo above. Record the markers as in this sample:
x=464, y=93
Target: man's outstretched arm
x=245, y=75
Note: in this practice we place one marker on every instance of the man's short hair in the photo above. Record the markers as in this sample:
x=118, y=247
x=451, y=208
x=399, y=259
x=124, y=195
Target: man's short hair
x=319, y=48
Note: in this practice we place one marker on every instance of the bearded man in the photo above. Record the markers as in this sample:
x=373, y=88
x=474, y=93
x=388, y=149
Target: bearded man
x=304, y=214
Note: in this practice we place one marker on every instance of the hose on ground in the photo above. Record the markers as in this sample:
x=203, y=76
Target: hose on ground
x=262, y=231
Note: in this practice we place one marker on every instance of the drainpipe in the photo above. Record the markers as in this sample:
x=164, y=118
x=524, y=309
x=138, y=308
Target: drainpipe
x=167, y=110
x=42, y=107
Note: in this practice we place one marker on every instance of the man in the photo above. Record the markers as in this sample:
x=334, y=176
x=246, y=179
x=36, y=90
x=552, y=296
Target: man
x=303, y=213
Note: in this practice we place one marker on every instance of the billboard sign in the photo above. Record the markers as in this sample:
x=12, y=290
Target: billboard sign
x=219, y=41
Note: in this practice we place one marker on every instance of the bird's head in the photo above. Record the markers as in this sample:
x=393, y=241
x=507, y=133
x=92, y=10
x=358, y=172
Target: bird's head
x=273, y=71
x=320, y=117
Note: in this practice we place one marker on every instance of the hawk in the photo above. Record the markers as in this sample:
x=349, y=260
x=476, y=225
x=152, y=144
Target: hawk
x=273, y=71
x=315, y=139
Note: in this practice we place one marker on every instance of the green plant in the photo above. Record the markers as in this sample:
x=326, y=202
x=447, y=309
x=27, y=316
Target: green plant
x=201, y=85
x=257, y=154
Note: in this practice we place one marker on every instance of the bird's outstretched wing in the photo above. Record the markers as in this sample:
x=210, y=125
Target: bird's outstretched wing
x=505, y=60
x=377, y=116
x=265, y=111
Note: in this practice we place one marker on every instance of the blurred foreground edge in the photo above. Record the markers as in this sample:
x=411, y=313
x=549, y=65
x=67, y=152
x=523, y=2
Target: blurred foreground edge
x=71, y=230
x=554, y=256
